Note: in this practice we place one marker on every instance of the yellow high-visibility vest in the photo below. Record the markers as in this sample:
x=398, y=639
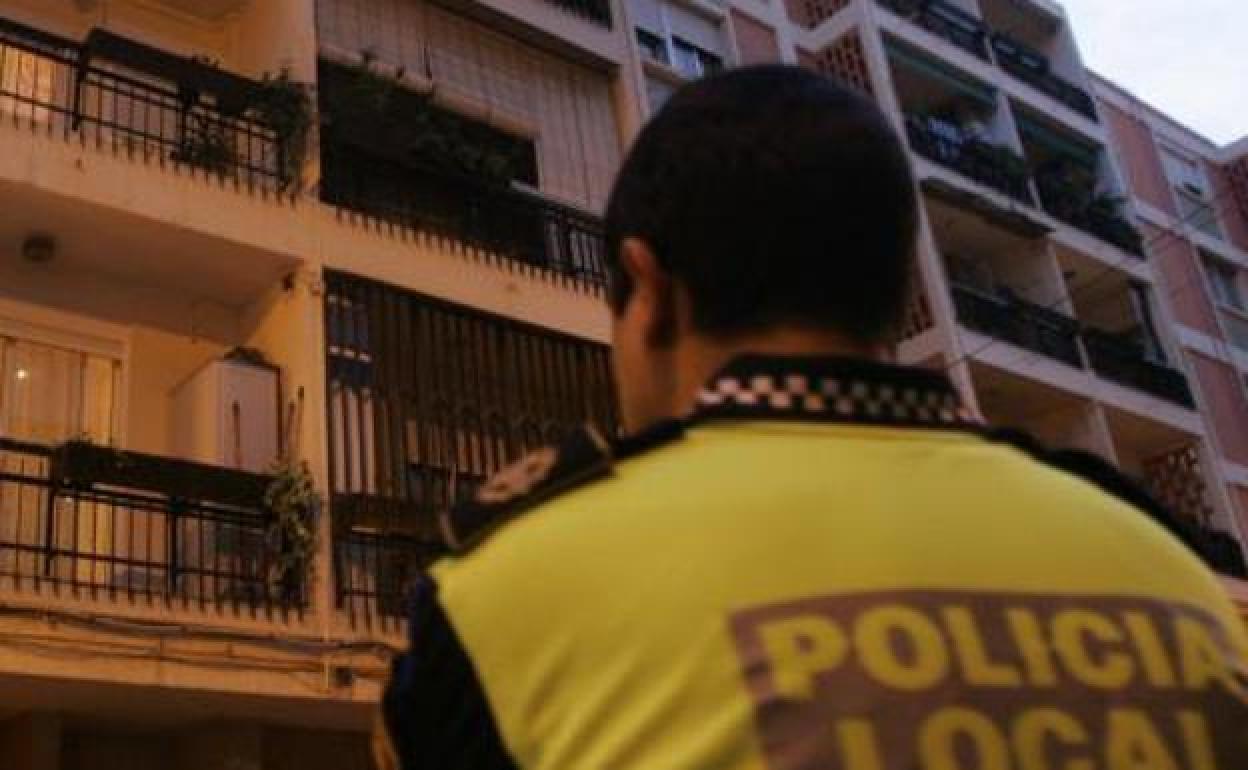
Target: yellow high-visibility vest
x=855, y=582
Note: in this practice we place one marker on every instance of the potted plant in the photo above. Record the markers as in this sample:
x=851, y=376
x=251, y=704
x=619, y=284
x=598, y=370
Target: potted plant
x=285, y=106
x=293, y=503
x=206, y=145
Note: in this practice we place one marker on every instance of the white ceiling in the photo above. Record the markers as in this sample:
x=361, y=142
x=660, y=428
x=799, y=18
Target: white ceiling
x=98, y=241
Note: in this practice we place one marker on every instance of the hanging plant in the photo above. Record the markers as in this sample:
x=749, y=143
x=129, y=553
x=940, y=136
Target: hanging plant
x=364, y=94
x=206, y=144
x=293, y=504
x=285, y=106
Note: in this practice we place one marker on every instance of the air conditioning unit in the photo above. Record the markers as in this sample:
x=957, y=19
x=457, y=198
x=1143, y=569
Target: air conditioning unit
x=227, y=414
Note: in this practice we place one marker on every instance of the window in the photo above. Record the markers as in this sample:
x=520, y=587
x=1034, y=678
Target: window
x=679, y=37
x=50, y=394
x=693, y=61
x=1191, y=191
x=653, y=47
x=25, y=83
x=1198, y=212
x=1183, y=171
x=1224, y=281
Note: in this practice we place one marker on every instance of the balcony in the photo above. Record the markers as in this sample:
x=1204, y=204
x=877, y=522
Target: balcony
x=392, y=153
x=1033, y=68
x=946, y=21
x=993, y=165
x=125, y=523
x=376, y=573
x=1019, y=322
x=1125, y=362
x=520, y=226
x=597, y=11
x=178, y=110
x=1073, y=200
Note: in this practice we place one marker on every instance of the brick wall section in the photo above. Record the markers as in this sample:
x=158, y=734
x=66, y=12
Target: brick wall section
x=1228, y=407
x=1237, y=174
x=1138, y=152
x=756, y=41
x=1231, y=195
x=846, y=61
x=1240, y=498
x=1183, y=280
x=812, y=13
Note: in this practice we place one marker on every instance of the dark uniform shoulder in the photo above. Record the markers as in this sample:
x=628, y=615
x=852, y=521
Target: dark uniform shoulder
x=1099, y=472
x=583, y=456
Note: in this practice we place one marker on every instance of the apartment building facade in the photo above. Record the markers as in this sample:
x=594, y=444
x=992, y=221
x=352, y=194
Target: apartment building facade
x=363, y=236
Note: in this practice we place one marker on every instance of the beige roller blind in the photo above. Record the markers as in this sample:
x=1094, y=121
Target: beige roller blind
x=695, y=28
x=564, y=107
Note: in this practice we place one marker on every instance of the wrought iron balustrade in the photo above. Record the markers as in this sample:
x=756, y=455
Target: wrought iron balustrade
x=1127, y=364
x=1019, y=322
x=517, y=225
x=55, y=85
x=122, y=523
x=1033, y=68
x=991, y=165
x=945, y=20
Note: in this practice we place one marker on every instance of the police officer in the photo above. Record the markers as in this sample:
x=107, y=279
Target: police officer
x=805, y=556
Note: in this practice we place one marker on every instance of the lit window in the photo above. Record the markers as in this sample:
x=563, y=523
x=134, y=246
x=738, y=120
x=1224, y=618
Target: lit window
x=49, y=394
x=25, y=83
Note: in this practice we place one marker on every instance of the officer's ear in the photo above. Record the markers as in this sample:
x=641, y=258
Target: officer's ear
x=652, y=302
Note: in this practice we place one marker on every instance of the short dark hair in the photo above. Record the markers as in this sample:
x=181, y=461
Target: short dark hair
x=774, y=195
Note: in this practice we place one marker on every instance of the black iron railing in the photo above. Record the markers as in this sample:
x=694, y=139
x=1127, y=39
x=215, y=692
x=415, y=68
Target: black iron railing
x=1032, y=67
x=1019, y=322
x=1126, y=363
x=518, y=225
x=597, y=11
x=92, y=518
x=946, y=21
x=376, y=573
x=1078, y=209
x=54, y=85
x=991, y=165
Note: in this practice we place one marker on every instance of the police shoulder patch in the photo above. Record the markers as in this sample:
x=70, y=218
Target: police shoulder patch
x=584, y=455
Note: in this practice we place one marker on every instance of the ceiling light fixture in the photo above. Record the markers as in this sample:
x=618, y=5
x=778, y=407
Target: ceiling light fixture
x=39, y=248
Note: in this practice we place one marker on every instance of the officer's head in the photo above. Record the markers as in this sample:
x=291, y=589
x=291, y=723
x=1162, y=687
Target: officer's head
x=766, y=209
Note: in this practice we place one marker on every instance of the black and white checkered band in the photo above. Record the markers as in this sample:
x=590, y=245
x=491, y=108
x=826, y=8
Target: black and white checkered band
x=840, y=390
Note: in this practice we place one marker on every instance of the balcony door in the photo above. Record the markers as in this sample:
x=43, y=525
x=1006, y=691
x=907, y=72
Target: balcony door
x=51, y=393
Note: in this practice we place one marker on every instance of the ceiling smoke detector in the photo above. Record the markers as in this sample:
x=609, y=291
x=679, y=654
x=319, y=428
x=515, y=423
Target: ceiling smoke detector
x=39, y=249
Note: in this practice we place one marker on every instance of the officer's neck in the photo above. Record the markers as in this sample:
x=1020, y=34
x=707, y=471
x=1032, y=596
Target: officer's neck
x=697, y=358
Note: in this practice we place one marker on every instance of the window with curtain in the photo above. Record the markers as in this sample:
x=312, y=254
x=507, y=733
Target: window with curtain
x=50, y=394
